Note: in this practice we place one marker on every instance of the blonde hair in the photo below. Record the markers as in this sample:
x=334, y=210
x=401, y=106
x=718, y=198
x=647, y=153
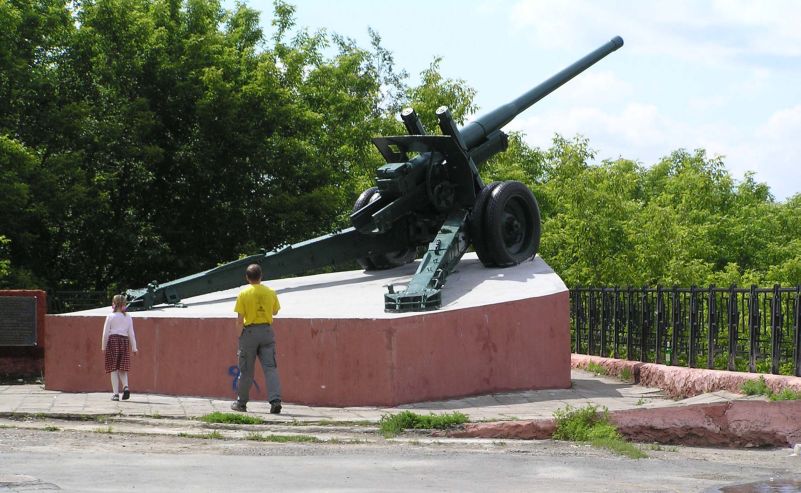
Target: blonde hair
x=118, y=303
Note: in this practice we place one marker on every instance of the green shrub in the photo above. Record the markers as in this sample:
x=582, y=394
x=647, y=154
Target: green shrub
x=588, y=425
x=760, y=387
x=392, y=424
x=756, y=387
x=576, y=424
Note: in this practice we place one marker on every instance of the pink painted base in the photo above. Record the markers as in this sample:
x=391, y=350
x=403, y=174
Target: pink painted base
x=515, y=345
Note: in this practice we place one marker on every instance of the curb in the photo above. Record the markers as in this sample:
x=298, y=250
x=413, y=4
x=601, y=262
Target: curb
x=731, y=424
x=679, y=382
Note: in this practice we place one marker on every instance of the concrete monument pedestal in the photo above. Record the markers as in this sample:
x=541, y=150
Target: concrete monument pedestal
x=498, y=330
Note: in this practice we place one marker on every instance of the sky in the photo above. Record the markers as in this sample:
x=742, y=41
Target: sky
x=724, y=76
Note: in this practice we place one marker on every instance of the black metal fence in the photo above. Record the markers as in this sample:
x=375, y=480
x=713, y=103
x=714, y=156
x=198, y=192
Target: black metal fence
x=737, y=329
x=60, y=301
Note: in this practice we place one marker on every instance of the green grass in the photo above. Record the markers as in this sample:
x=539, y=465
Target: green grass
x=786, y=395
x=756, y=387
x=626, y=375
x=658, y=447
x=596, y=368
x=332, y=422
x=760, y=387
x=51, y=428
x=212, y=435
x=231, y=418
x=258, y=437
x=107, y=430
x=392, y=424
x=346, y=441
x=587, y=424
x=620, y=447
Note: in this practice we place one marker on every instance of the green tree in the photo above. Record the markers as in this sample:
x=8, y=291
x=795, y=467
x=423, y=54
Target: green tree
x=434, y=91
x=5, y=261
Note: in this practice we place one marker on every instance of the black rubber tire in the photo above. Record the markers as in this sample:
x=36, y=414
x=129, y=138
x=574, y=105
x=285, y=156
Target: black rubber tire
x=475, y=225
x=511, y=224
x=385, y=260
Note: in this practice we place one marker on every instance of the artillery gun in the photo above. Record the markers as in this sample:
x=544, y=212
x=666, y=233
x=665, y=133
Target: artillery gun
x=428, y=193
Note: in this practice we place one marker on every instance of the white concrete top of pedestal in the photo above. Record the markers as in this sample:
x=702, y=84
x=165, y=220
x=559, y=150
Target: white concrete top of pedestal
x=359, y=294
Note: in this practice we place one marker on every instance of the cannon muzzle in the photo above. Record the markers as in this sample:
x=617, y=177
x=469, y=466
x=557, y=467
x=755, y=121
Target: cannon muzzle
x=475, y=132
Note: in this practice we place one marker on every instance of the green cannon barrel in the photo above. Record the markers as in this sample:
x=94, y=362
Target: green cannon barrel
x=475, y=132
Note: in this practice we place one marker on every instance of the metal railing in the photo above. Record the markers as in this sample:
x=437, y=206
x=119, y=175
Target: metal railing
x=736, y=329
x=62, y=301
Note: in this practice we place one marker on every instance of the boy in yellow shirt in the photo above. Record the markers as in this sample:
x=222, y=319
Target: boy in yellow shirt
x=255, y=307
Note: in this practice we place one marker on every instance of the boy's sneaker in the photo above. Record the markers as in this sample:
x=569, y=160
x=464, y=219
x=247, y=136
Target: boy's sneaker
x=238, y=406
x=126, y=394
x=115, y=397
x=275, y=406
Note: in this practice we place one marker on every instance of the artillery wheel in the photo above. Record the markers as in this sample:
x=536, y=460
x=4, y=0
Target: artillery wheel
x=475, y=225
x=511, y=224
x=384, y=260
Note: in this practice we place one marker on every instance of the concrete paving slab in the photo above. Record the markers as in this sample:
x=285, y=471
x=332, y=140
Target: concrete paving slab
x=526, y=405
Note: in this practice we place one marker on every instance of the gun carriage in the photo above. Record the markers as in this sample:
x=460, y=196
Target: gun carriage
x=429, y=193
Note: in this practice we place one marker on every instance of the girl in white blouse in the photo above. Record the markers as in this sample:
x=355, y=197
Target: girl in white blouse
x=118, y=342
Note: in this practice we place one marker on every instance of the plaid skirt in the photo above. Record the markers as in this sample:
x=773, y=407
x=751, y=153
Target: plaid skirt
x=118, y=354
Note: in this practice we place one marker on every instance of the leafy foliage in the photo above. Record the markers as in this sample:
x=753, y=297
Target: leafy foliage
x=150, y=139
x=177, y=136
x=758, y=386
x=587, y=424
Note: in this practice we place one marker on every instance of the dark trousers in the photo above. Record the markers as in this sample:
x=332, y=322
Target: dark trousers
x=257, y=340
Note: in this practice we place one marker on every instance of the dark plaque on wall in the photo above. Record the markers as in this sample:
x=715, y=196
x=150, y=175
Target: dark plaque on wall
x=17, y=321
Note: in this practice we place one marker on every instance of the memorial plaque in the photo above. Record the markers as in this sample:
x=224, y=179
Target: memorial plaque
x=17, y=321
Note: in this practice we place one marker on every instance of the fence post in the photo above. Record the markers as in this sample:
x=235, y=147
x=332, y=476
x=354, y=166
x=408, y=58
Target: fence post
x=604, y=321
x=753, y=326
x=643, y=323
x=591, y=323
x=712, y=328
x=734, y=318
x=674, y=339
x=797, y=327
x=660, y=325
x=693, y=327
x=775, y=329
x=578, y=316
x=618, y=317
x=629, y=317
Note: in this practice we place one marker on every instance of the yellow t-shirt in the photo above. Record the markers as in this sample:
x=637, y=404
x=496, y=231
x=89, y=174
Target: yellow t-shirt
x=258, y=304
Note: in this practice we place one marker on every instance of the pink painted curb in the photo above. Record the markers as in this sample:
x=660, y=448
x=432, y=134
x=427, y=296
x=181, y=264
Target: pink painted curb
x=738, y=423
x=678, y=382
x=728, y=424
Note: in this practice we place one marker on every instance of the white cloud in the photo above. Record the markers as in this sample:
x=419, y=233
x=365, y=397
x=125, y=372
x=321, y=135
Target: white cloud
x=715, y=32
x=595, y=87
x=637, y=132
x=640, y=132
